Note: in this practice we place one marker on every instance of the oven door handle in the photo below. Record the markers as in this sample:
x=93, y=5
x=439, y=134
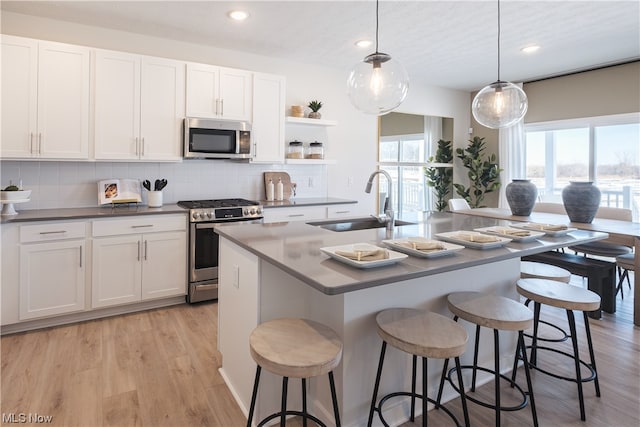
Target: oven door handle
x=200, y=226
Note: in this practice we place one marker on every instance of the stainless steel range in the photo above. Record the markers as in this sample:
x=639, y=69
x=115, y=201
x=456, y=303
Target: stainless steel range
x=203, y=241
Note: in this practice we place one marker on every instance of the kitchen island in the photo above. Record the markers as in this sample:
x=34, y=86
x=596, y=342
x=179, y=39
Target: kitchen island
x=278, y=270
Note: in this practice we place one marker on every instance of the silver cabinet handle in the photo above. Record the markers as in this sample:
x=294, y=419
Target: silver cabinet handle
x=217, y=104
x=255, y=149
x=142, y=146
x=342, y=212
x=136, y=139
x=222, y=107
x=39, y=143
x=294, y=215
x=142, y=226
x=53, y=232
x=145, y=250
x=138, y=250
x=81, y=256
x=31, y=142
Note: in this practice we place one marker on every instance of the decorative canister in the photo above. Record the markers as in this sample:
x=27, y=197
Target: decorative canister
x=297, y=111
x=315, y=151
x=296, y=150
x=581, y=201
x=521, y=196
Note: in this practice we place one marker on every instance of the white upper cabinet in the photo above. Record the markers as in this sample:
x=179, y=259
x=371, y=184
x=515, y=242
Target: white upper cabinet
x=267, y=130
x=139, y=107
x=45, y=99
x=218, y=92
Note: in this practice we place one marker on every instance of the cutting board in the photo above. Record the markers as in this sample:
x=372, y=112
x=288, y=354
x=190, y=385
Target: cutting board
x=286, y=182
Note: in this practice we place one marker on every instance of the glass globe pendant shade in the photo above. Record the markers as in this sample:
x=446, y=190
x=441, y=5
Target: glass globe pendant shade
x=499, y=105
x=378, y=84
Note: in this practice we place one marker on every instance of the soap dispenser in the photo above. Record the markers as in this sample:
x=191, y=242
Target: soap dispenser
x=280, y=190
x=270, y=190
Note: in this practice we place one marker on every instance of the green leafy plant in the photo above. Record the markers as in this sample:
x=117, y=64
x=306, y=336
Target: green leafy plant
x=315, y=105
x=484, y=174
x=441, y=178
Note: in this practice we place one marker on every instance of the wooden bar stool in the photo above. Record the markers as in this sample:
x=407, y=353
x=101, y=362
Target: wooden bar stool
x=425, y=334
x=568, y=298
x=540, y=270
x=497, y=313
x=297, y=348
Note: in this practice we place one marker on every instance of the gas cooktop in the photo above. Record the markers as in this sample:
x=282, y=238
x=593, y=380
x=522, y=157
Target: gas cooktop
x=216, y=203
x=222, y=210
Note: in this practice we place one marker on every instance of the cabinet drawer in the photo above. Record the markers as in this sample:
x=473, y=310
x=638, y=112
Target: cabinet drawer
x=343, y=211
x=52, y=231
x=141, y=224
x=294, y=214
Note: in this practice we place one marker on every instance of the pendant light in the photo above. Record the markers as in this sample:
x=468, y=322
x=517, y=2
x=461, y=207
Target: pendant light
x=500, y=104
x=378, y=84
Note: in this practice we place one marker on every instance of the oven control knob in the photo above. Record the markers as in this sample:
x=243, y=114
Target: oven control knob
x=258, y=211
x=196, y=215
x=245, y=211
x=209, y=214
x=252, y=211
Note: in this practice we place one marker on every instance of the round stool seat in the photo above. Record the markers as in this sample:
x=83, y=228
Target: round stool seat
x=297, y=348
x=422, y=333
x=626, y=261
x=601, y=249
x=539, y=270
x=551, y=293
x=491, y=311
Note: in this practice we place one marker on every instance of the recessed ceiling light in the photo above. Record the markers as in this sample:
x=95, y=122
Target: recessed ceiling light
x=530, y=49
x=238, y=15
x=363, y=43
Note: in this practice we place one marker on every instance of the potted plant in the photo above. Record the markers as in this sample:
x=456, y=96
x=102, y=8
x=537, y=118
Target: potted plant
x=438, y=177
x=484, y=174
x=315, y=105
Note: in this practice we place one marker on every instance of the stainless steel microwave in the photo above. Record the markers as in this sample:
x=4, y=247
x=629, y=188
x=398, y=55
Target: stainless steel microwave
x=216, y=139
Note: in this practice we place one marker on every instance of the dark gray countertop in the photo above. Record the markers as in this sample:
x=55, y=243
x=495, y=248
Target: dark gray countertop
x=295, y=248
x=308, y=201
x=84, y=213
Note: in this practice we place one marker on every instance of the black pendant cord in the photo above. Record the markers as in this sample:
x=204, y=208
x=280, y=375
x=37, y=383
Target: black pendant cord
x=376, y=26
x=498, y=40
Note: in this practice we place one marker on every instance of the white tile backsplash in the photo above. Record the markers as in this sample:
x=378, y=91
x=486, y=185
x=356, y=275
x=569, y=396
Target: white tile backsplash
x=74, y=184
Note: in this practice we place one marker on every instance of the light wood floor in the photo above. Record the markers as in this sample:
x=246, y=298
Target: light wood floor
x=159, y=368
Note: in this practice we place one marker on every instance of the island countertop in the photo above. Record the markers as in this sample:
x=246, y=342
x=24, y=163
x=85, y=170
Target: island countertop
x=294, y=247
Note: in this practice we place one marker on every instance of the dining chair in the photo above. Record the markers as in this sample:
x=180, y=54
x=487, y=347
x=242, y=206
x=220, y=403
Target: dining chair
x=458, y=205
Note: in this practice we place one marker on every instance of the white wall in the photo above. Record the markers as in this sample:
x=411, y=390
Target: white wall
x=353, y=143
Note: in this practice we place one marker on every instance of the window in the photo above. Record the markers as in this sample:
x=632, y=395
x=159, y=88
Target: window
x=605, y=150
x=404, y=157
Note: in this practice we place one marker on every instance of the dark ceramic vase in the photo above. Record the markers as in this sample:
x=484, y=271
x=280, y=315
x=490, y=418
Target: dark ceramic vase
x=581, y=201
x=521, y=196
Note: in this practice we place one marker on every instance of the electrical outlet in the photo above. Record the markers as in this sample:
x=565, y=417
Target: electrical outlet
x=311, y=182
x=350, y=181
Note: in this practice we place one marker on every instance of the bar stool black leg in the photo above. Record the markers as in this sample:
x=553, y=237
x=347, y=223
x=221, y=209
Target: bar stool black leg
x=413, y=389
x=442, y=377
x=576, y=357
x=534, y=340
x=591, y=354
x=283, y=409
x=425, y=387
x=334, y=398
x=253, y=396
x=475, y=359
x=304, y=402
x=463, y=399
x=527, y=374
x=496, y=363
x=377, y=385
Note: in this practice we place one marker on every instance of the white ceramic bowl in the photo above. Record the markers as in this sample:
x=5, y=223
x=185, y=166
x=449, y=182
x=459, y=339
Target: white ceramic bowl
x=15, y=195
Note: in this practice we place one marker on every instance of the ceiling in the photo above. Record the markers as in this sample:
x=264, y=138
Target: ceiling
x=451, y=44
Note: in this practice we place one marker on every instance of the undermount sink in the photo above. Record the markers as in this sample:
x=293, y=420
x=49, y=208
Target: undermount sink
x=355, y=224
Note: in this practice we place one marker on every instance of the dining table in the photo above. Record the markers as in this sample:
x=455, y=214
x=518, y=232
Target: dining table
x=625, y=233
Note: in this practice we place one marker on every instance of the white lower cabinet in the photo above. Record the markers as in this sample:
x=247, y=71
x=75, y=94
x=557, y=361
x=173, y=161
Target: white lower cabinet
x=138, y=259
x=52, y=269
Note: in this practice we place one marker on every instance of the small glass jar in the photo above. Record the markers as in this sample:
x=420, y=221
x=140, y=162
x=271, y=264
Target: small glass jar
x=315, y=151
x=296, y=150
